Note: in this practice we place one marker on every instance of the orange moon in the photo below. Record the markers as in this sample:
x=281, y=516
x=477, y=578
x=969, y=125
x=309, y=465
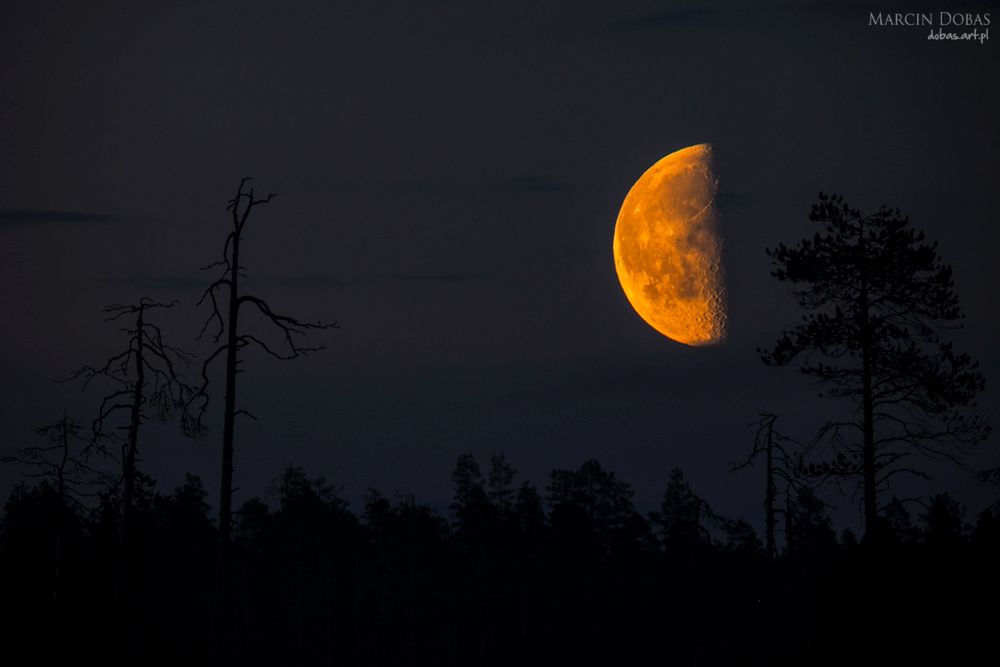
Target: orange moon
x=668, y=252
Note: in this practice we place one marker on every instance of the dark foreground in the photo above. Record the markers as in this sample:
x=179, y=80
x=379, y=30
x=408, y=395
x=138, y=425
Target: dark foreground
x=577, y=578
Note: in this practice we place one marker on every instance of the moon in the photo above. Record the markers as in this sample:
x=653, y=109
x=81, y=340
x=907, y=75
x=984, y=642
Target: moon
x=668, y=251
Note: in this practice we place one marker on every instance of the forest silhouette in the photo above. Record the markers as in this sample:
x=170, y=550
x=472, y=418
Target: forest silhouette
x=98, y=562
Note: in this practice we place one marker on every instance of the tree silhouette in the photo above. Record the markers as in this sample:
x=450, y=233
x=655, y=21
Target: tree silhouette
x=597, y=506
x=62, y=463
x=319, y=585
x=987, y=531
x=145, y=376
x=944, y=520
x=878, y=303
x=683, y=517
x=778, y=465
x=471, y=504
x=899, y=524
x=809, y=531
x=529, y=515
x=500, y=485
x=227, y=324
x=742, y=539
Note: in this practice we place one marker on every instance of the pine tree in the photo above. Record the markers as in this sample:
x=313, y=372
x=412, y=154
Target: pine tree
x=878, y=304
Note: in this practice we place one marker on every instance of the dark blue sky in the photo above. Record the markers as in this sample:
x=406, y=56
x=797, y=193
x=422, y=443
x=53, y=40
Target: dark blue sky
x=449, y=174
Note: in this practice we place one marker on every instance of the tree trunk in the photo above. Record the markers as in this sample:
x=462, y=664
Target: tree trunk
x=132, y=443
x=61, y=517
x=229, y=417
x=871, y=507
x=770, y=493
x=867, y=400
x=129, y=465
x=223, y=565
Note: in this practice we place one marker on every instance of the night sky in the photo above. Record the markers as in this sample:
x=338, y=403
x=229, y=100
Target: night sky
x=448, y=178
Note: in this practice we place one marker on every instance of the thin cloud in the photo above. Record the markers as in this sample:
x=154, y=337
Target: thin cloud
x=440, y=278
x=340, y=281
x=538, y=184
x=530, y=183
x=661, y=20
x=166, y=282
x=40, y=216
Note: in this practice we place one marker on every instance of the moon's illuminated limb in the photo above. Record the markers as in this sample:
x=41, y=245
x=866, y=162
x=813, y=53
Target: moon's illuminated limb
x=667, y=249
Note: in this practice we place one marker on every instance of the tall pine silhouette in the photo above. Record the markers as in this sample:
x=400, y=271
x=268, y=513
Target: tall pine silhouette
x=878, y=306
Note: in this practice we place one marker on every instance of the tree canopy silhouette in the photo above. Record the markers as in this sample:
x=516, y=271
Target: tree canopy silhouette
x=398, y=584
x=63, y=464
x=879, y=303
x=595, y=503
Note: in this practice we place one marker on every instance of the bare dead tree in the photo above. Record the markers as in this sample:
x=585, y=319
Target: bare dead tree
x=145, y=381
x=64, y=463
x=780, y=465
x=223, y=324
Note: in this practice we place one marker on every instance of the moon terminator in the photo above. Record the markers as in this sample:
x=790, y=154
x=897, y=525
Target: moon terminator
x=668, y=252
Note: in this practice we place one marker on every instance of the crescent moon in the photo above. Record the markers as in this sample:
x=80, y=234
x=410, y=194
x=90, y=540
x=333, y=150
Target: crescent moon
x=668, y=252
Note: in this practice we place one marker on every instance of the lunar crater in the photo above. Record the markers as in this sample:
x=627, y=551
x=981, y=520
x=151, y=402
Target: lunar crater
x=668, y=251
